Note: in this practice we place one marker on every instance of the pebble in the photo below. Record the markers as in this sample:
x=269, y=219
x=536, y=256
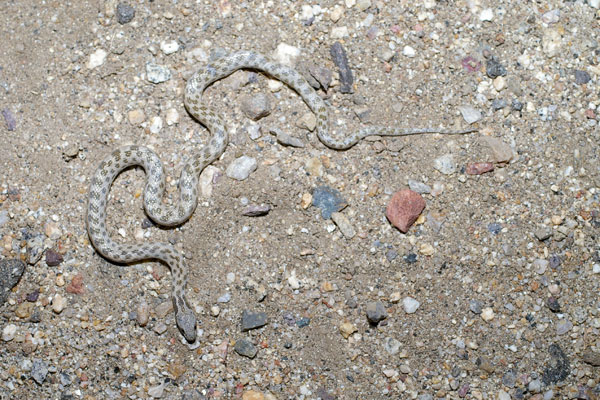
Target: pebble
x=157, y=391
x=470, y=114
x=245, y=348
x=563, y=326
x=53, y=258
x=344, y=224
x=215, y=311
x=376, y=312
x=52, y=230
x=418, y=187
x=540, y=266
x=328, y=200
x=338, y=54
x=76, y=286
x=404, y=208
x=157, y=73
x=307, y=121
x=143, y=314
x=253, y=395
x=595, y=269
x=340, y=32
x=323, y=76
x=502, y=395
x=494, y=69
x=478, y=168
x=391, y=345
x=486, y=15
x=256, y=106
x=160, y=328
x=169, y=46
x=336, y=14
x=594, y=3
x=97, y=58
x=591, y=357
x=409, y=52
x=543, y=233
x=285, y=139
x=252, y=320
x=9, y=332
x=39, y=371
x=35, y=249
x=136, y=117
x=241, y=168
x=256, y=210
x=347, y=329
x=24, y=310
x=9, y=119
x=286, y=54
x=559, y=368
x=58, y=303
x=500, y=151
x=164, y=308
x=172, y=116
x=475, y=306
x=410, y=305
x=551, y=42
x=125, y=13
x=487, y=314
x=582, y=77
x=156, y=124
x=445, y=164
x=224, y=298
x=10, y=274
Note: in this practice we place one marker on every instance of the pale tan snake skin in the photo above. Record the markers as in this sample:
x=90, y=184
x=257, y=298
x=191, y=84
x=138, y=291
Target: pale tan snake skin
x=177, y=214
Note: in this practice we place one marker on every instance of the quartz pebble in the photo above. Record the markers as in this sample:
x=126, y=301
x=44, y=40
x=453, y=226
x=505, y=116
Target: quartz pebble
x=487, y=314
x=169, y=46
x=445, y=164
x=157, y=73
x=97, y=58
x=9, y=332
x=347, y=329
x=241, y=168
x=470, y=114
x=410, y=305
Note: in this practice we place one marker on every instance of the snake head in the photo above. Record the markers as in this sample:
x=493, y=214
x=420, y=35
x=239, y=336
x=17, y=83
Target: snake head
x=186, y=322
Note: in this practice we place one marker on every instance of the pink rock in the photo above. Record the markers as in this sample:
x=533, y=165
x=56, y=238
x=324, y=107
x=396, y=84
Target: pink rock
x=404, y=208
x=478, y=168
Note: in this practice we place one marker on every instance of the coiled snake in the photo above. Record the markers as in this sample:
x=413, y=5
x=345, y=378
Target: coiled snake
x=177, y=214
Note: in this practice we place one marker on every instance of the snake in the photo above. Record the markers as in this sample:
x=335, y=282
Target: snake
x=176, y=214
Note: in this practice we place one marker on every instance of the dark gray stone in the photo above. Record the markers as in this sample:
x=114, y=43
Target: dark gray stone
x=10, y=273
x=376, y=312
x=494, y=69
x=328, y=200
x=559, y=367
x=582, y=77
x=338, y=54
x=251, y=320
x=125, y=13
x=245, y=348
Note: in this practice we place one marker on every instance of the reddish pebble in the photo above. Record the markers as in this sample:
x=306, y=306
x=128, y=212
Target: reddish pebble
x=478, y=168
x=53, y=258
x=589, y=113
x=404, y=208
x=76, y=285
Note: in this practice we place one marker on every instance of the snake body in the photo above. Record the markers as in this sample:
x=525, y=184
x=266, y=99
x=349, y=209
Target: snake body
x=177, y=214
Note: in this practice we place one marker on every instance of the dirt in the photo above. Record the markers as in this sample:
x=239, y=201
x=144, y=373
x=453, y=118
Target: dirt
x=474, y=260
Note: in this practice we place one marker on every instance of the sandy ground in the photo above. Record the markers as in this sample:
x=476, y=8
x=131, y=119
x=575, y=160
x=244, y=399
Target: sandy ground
x=505, y=266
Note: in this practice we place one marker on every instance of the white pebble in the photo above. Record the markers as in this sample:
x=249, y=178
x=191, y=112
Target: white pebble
x=336, y=14
x=339, y=32
x=410, y=305
x=502, y=395
x=9, y=332
x=486, y=15
x=286, y=54
x=596, y=268
x=241, y=168
x=293, y=281
x=594, y=3
x=445, y=164
x=215, y=311
x=143, y=314
x=97, y=58
x=169, y=46
x=172, y=116
x=58, y=303
x=487, y=314
x=470, y=114
x=156, y=124
x=409, y=51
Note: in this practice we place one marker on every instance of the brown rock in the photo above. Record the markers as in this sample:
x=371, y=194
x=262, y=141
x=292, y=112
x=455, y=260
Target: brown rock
x=53, y=258
x=404, y=209
x=252, y=395
x=478, y=168
x=76, y=285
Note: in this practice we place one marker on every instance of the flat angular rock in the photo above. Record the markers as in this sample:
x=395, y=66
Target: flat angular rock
x=10, y=273
x=404, y=208
x=251, y=320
